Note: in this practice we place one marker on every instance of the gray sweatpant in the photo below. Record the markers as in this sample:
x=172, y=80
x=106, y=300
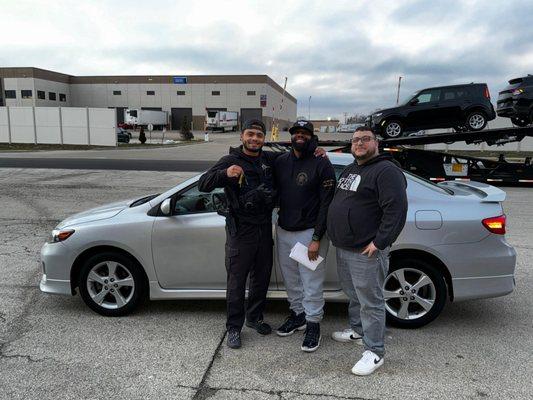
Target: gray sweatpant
x=361, y=278
x=304, y=287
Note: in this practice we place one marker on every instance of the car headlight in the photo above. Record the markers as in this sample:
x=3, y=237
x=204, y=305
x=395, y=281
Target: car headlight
x=377, y=115
x=60, y=235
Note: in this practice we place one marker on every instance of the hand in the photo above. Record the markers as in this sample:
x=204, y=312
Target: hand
x=370, y=249
x=321, y=152
x=312, y=251
x=234, y=171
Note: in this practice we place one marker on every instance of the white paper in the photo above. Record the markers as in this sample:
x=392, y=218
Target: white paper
x=299, y=254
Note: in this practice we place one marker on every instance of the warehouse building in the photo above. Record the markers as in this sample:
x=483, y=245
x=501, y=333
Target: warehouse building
x=252, y=96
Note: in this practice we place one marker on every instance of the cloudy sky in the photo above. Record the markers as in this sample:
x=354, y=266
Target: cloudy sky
x=347, y=55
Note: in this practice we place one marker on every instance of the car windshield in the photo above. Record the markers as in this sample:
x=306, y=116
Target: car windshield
x=407, y=99
x=429, y=184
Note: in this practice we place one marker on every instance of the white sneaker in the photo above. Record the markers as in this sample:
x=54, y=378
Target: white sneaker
x=347, y=335
x=367, y=364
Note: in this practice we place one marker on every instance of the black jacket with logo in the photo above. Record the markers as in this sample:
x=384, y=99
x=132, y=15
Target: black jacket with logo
x=305, y=186
x=252, y=208
x=370, y=204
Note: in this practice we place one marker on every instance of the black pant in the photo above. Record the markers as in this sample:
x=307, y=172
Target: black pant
x=249, y=252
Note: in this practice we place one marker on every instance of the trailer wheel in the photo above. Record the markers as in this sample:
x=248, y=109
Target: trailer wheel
x=392, y=129
x=520, y=121
x=476, y=121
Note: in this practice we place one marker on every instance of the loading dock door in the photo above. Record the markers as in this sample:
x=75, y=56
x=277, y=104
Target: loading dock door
x=251, y=113
x=120, y=115
x=177, y=115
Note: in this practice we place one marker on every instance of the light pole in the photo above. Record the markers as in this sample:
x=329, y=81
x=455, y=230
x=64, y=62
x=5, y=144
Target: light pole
x=309, y=108
x=398, y=93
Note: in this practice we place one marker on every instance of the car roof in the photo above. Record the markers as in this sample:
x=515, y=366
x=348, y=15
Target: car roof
x=453, y=86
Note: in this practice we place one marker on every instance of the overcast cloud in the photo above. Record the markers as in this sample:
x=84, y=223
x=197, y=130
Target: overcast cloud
x=347, y=55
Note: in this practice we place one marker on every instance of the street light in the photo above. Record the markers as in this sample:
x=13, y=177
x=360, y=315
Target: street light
x=309, y=108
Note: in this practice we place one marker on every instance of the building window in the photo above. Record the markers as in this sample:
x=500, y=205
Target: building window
x=26, y=94
x=41, y=95
x=180, y=92
x=51, y=96
x=117, y=93
x=11, y=94
x=250, y=93
x=62, y=97
x=215, y=93
x=150, y=92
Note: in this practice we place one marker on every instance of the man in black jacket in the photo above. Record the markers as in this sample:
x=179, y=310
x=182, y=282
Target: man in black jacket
x=246, y=176
x=365, y=217
x=305, y=184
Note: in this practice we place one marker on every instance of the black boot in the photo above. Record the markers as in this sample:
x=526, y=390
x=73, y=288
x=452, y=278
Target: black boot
x=260, y=326
x=312, y=337
x=292, y=324
x=234, y=338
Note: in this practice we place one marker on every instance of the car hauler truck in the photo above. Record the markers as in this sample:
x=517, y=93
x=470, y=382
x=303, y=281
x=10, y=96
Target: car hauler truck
x=221, y=120
x=438, y=166
x=138, y=117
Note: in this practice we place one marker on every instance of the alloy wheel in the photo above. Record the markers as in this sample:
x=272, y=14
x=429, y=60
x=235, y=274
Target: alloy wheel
x=393, y=129
x=409, y=293
x=476, y=121
x=110, y=285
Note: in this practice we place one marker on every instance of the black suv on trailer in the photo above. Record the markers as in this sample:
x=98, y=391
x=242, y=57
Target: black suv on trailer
x=462, y=107
x=516, y=101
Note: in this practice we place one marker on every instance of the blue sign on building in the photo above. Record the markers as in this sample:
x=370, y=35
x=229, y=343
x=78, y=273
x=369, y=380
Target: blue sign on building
x=179, y=79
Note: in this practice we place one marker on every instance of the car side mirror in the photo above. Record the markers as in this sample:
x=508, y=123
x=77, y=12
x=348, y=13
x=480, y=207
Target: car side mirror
x=165, y=207
x=413, y=102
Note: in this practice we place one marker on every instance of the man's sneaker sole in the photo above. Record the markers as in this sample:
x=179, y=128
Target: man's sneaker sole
x=365, y=373
x=283, y=334
x=311, y=349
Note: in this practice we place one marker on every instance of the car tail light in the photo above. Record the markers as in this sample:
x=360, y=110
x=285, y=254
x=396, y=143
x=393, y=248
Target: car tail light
x=495, y=224
x=487, y=93
x=518, y=91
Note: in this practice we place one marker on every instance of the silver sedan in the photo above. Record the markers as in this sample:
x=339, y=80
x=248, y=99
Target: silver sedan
x=171, y=246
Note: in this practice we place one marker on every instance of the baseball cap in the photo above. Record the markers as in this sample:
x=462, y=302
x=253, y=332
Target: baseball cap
x=302, y=124
x=254, y=124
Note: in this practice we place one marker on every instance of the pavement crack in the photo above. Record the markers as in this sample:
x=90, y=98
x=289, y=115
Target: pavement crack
x=204, y=391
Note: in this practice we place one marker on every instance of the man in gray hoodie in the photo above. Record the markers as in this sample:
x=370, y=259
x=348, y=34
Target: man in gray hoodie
x=365, y=217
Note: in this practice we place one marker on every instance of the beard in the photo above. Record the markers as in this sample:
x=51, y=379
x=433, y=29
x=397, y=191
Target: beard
x=302, y=147
x=253, y=150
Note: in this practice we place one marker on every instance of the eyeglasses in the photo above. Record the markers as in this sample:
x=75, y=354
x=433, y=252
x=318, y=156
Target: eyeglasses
x=362, y=139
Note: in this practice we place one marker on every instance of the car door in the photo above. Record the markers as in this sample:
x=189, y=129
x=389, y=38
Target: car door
x=423, y=113
x=450, y=106
x=189, y=246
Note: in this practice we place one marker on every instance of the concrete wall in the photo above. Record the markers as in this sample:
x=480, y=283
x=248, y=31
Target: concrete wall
x=58, y=125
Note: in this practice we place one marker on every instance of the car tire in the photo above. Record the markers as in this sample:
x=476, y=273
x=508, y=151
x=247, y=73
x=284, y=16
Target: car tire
x=409, y=310
x=476, y=121
x=112, y=284
x=392, y=129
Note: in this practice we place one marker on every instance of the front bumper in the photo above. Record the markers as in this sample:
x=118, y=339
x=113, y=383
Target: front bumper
x=510, y=108
x=56, y=262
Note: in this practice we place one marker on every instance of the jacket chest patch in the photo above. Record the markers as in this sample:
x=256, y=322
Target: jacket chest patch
x=350, y=182
x=302, y=179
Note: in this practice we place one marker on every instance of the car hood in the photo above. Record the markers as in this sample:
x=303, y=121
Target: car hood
x=385, y=110
x=95, y=214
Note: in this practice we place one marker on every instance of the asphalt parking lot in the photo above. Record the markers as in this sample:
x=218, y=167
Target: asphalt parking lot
x=54, y=347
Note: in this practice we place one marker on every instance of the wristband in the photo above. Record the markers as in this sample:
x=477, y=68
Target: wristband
x=315, y=238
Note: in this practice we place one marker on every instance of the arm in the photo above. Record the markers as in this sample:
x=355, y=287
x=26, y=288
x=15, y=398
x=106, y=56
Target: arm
x=216, y=176
x=326, y=191
x=392, y=198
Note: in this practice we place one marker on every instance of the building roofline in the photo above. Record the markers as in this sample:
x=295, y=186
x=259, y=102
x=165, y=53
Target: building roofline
x=38, y=73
